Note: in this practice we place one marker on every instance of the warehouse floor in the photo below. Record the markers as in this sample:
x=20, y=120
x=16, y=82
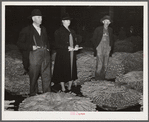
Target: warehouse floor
x=18, y=99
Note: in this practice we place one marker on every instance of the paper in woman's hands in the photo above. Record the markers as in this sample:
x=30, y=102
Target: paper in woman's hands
x=74, y=49
x=80, y=48
x=77, y=48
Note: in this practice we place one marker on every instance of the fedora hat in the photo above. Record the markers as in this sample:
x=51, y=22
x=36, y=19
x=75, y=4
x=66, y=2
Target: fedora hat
x=66, y=17
x=106, y=17
x=35, y=12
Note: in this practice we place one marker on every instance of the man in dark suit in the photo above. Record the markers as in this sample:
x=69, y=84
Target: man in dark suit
x=33, y=40
x=103, y=42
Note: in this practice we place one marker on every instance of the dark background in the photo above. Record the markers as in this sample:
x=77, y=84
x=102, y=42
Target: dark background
x=85, y=19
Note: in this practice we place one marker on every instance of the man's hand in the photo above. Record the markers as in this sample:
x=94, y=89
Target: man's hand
x=35, y=47
x=7, y=104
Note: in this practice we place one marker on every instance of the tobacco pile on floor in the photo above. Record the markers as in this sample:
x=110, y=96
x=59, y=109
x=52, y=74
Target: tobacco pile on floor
x=133, y=62
x=115, y=66
x=133, y=80
x=122, y=63
x=86, y=63
x=109, y=95
x=57, y=102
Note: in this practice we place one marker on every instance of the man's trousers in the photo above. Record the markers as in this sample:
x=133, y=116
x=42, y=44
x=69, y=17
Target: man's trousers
x=103, y=50
x=39, y=66
x=25, y=60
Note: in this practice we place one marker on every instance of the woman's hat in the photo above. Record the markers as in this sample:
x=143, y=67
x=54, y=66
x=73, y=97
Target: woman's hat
x=106, y=17
x=35, y=12
x=66, y=17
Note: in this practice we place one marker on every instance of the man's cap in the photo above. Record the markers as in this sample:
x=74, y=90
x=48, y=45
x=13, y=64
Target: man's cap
x=106, y=17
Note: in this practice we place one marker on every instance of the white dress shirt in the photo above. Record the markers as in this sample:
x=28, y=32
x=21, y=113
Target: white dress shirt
x=37, y=28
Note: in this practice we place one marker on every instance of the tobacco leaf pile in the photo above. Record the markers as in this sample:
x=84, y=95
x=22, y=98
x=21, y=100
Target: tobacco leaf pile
x=110, y=95
x=122, y=63
x=57, y=102
x=132, y=79
x=115, y=66
x=86, y=63
x=141, y=103
x=133, y=62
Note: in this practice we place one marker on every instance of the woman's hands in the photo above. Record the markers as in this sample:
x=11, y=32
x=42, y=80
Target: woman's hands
x=70, y=48
x=74, y=49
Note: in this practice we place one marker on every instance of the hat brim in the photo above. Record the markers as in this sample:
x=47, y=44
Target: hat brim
x=29, y=17
x=67, y=18
x=105, y=19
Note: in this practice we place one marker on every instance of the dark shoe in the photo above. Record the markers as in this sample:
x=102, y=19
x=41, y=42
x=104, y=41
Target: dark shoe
x=67, y=91
x=31, y=95
x=40, y=92
x=61, y=91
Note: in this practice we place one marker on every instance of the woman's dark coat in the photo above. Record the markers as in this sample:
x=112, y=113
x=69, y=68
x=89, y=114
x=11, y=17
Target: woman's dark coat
x=62, y=67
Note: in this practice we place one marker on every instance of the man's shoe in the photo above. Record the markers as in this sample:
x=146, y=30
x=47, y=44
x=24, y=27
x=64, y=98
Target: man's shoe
x=40, y=92
x=31, y=95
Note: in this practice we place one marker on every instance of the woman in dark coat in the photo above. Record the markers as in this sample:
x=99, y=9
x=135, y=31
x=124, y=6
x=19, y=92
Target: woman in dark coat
x=65, y=69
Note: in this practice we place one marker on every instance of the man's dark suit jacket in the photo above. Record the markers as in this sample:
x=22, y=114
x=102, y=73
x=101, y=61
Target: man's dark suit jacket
x=26, y=42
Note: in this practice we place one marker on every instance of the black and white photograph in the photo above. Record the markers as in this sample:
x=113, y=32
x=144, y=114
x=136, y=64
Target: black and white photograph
x=74, y=60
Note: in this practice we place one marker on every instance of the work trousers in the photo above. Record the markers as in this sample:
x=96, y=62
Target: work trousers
x=39, y=66
x=103, y=50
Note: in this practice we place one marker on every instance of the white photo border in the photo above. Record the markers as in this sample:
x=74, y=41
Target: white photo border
x=18, y=115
